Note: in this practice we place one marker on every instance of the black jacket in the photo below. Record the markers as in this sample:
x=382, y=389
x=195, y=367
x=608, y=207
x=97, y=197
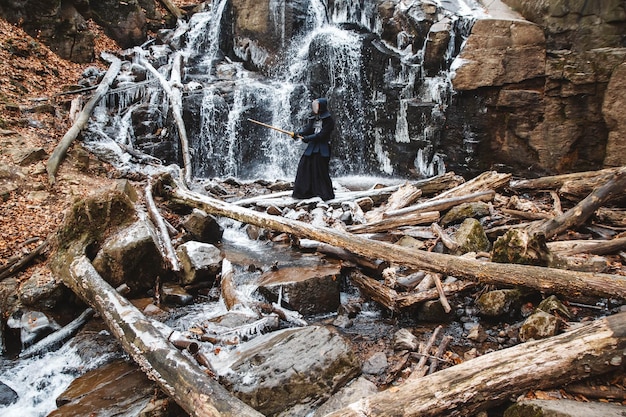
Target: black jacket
x=317, y=131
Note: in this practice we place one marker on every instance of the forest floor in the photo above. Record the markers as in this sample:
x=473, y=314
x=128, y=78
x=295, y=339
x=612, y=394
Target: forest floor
x=35, y=115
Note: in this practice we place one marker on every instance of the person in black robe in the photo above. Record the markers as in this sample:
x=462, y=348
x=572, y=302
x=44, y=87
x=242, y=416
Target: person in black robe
x=313, y=177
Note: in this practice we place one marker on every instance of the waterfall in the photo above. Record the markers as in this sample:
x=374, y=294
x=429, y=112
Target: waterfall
x=389, y=99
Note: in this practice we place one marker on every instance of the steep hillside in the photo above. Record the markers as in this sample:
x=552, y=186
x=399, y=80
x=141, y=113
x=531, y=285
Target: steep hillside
x=34, y=115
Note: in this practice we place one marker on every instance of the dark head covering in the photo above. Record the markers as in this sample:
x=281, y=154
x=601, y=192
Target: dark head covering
x=323, y=108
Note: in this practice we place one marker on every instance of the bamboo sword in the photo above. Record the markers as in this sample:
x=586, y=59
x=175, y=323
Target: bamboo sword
x=292, y=134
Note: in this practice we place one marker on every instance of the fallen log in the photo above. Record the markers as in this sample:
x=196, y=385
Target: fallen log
x=578, y=214
x=616, y=218
x=486, y=381
x=489, y=180
x=55, y=340
x=375, y=265
x=394, y=301
x=441, y=204
x=594, y=247
x=549, y=280
x=421, y=369
x=177, y=376
x=597, y=392
x=172, y=8
x=168, y=251
x=60, y=150
x=554, y=182
x=405, y=195
x=389, y=223
x=16, y=265
x=175, y=96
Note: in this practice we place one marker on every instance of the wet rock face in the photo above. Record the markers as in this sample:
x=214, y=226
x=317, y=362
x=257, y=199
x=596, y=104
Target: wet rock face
x=577, y=24
x=7, y=394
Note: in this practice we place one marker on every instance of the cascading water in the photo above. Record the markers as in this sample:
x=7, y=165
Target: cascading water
x=387, y=96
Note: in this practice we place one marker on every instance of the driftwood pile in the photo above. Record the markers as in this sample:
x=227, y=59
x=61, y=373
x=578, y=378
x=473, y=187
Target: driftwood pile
x=397, y=210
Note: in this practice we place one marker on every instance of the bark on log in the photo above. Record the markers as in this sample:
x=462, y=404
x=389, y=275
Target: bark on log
x=597, y=392
x=548, y=280
x=375, y=265
x=177, y=376
x=555, y=182
x=615, y=218
x=595, y=247
x=14, y=267
x=60, y=150
x=441, y=204
x=486, y=381
x=169, y=253
x=55, y=340
x=172, y=8
x=389, y=223
x=173, y=92
x=489, y=180
x=395, y=301
x=583, y=210
x=405, y=195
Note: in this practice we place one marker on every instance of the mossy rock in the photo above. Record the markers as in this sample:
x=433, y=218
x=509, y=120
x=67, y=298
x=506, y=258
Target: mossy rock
x=471, y=237
x=464, y=211
x=519, y=247
x=87, y=224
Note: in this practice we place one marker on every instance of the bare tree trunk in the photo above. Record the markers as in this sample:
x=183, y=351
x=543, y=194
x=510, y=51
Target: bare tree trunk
x=181, y=379
x=52, y=166
x=172, y=8
x=483, y=382
x=172, y=89
x=544, y=279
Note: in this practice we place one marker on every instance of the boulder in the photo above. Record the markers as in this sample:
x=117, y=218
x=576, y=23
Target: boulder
x=353, y=392
x=309, y=290
x=290, y=367
x=199, y=261
x=33, y=325
x=471, y=237
x=499, y=302
x=132, y=257
x=539, y=326
x=7, y=394
x=203, y=227
x=41, y=290
x=118, y=387
x=463, y=211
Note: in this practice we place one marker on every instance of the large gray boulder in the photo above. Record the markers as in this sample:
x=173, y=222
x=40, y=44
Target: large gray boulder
x=291, y=367
x=132, y=257
x=200, y=262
